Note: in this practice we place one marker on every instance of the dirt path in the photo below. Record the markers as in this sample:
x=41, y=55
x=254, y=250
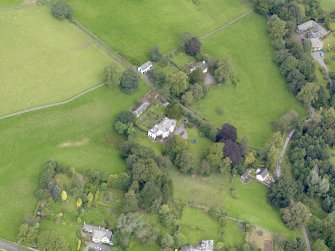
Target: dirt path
x=51, y=105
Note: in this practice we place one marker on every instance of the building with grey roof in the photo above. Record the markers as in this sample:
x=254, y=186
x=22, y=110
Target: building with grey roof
x=162, y=129
x=312, y=29
x=207, y=245
x=138, y=110
x=99, y=234
x=201, y=65
x=147, y=66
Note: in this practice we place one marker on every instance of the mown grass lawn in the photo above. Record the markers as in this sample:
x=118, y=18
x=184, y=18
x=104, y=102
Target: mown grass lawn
x=133, y=27
x=200, y=144
x=44, y=60
x=328, y=5
x=8, y=3
x=250, y=205
x=261, y=96
x=233, y=235
x=26, y=142
x=329, y=49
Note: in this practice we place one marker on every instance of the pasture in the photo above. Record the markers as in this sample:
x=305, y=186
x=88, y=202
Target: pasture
x=44, y=60
x=9, y=3
x=247, y=203
x=133, y=27
x=74, y=135
x=261, y=96
x=328, y=5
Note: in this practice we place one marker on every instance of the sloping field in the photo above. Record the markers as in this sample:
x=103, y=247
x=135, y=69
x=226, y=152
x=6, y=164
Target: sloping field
x=74, y=134
x=133, y=27
x=328, y=5
x=44, y=60
x=261, y=96
x=7, y=3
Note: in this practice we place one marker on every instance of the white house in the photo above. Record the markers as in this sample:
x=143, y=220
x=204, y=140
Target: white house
x=207, y=245
x=317, y=44
x=99, y=234
x=147, y=66
x=262, y=175
x=202, y=65
x=162, y=129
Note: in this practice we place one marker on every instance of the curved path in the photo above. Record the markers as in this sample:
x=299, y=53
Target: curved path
x=282, y=153
x=51, y=105
x=10, y=246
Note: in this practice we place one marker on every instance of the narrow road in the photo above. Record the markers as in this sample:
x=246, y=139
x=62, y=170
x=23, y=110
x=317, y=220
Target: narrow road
x=282, y=153
x=10, y=246
x=304, y=233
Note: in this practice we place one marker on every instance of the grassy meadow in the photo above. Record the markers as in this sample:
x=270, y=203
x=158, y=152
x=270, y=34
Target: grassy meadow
x=261, y=96
x=249, y=202
x=328, y=5
x=44, y=60
x=133, y=27
x=9, y=3
x=74, y=135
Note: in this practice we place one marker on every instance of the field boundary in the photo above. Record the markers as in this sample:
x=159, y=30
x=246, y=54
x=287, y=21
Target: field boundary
x=42, y=107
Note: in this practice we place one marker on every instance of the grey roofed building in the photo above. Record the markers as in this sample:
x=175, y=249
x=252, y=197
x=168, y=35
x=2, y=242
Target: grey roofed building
x=99, y=234
x=207, y=245
x=138, y=110
x=163, y=129
x=313, y=29
x=147, y=66
x=201, y=65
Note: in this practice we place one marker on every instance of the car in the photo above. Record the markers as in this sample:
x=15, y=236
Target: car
x=182, y=133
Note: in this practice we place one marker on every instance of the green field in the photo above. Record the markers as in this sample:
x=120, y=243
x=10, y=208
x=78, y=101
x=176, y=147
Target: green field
x=250, y=205
x=74, y=135
x=133, y=27
x=44, y=60
x=328, y=5
x=7, y=3
x=261, y=96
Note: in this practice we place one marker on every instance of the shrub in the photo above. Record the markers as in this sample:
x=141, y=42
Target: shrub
x=61, y=10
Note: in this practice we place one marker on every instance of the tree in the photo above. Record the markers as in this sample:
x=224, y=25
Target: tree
x=48, y=241
x=157, y=76
x=286, y=121
x=167, y=242
x=174, y=146
x=228, y=132
x=249, y=159
x=295, y=215
x=155, y=54
x=186, y=162
x=178, y=83
x=280, y=192
x=79, y=202
x=64, y=195
x=27, y=235
x=214, y=156
x=180, y=239
x=276, y=27
x=223, y=71
x=56, y=192
x=319, y=245
x=166, y=216
x=130, y=203
x=295, y=245
x=187, y=98
x=111, y=76
x=174, y=111
x=309, y=93
x=149, y=195
x=289, y=64
x=62, y=10
x=192, y=46
x=232, y=150
x=184, y=38
x=197, y=76
x=129, y=81
x=198, y=91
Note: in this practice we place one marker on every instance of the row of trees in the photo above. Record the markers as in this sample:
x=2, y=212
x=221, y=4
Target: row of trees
x=129, y=80
x=296, y=65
